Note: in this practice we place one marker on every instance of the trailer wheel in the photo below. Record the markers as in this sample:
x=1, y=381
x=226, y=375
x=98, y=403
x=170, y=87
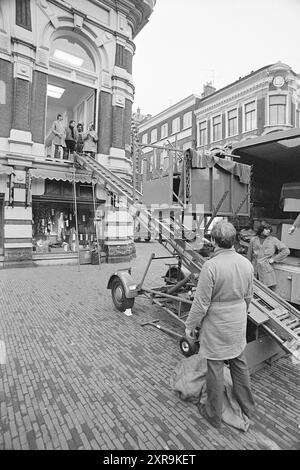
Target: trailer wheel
x=171, y=276
x=187, y=347
x=120, y=300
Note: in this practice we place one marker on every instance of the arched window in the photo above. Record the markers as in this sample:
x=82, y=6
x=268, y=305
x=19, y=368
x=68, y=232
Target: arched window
x=70, y=53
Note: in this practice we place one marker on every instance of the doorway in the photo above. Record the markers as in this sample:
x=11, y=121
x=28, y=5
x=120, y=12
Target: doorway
x=73, y=101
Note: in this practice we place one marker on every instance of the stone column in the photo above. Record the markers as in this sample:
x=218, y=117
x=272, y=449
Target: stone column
x=22, y=90
x=20, y=139
x=6, y=97
x=118, y=126
x=127, y=128
x=18, y=215
x=38, y=107
x=105, y=122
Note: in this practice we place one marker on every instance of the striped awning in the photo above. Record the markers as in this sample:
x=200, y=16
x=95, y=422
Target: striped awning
x=80, y=176
x=6, y=170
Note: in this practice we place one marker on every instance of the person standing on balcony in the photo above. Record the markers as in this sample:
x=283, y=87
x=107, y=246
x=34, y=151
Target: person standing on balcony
x=79, y=146
x=71, y=140
x=265, y=250
x=58, y=132
x=90, y=140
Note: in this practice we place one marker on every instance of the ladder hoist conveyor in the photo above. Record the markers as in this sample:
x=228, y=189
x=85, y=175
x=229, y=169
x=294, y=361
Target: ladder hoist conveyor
x=269, y=311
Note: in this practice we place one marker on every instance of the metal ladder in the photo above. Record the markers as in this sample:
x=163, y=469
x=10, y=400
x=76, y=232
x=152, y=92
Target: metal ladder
x=278, y=318
x=282, y=319
x=113, y=182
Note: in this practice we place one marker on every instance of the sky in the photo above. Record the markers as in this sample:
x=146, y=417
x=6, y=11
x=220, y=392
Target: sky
x=187, y=43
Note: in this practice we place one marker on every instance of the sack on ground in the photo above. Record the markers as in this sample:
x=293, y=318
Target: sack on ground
x=188, y=381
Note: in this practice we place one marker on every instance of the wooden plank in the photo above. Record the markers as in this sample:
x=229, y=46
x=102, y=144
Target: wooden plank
x=261, y=351
x=257, y=316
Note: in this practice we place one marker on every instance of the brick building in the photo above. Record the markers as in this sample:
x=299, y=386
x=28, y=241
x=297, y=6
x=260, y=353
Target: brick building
x=266, y=100
x=175, y=126
x=69, y=58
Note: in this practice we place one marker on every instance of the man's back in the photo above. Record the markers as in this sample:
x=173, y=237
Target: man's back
x=232, y=275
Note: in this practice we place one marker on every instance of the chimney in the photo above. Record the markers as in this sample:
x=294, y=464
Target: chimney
x=208, y=89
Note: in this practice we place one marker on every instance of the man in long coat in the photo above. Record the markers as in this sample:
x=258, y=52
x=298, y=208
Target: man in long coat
x=58, y=136
x=219, y=310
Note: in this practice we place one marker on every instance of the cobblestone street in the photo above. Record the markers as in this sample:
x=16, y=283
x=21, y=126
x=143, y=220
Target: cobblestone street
x=81, y=375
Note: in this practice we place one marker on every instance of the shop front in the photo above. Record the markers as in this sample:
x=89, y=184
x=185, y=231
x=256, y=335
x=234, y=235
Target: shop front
x=54, y=227
x=57, y=215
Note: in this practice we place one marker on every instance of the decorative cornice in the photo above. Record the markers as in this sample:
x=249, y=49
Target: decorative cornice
x=108, y=4
x=230, y=98
x=15, y=40
x=138, y=12
x=167, y=113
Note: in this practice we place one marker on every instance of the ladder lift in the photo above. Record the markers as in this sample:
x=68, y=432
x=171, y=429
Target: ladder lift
x=274, y=324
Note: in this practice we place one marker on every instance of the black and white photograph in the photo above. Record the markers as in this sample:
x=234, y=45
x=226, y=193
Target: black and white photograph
x=149, y=229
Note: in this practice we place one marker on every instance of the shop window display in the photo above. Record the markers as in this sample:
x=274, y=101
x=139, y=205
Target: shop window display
x=54, y=228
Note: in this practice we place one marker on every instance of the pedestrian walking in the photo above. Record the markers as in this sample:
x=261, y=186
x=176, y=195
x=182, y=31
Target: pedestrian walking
x=219, y=311
x=265, y=250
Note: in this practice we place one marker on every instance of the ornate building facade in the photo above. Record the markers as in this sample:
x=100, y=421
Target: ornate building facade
x=267, y=100
x=75, y=59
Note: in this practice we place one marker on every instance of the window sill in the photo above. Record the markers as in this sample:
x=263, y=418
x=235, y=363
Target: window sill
x=250, y=130
x=231, y=136
x=278, y=125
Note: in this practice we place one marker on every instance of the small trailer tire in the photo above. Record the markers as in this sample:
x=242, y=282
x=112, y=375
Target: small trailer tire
x=188, y=347
x=119, y=298
x=172, y=275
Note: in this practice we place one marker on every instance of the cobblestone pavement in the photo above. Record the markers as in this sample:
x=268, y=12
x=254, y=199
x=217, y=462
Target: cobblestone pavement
x=80, y=375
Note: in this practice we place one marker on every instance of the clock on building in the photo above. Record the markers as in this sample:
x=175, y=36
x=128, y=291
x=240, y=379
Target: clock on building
x=278, y=81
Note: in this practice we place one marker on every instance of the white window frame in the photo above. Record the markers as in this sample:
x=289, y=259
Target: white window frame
x=85, y=122
x=253, y=100
x=2, y=92
x=145, y=138
x=227, y=122
x=153, y=136
x=287, y=109
x=198, y=133
x=212, y=128
x=177, y=120
x=166, y=129
x=186, y=146
x=297, y=116
x=187, y=117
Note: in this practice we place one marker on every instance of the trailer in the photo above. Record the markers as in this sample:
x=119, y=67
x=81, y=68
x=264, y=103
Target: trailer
x=275, y=197
x=273, y=324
